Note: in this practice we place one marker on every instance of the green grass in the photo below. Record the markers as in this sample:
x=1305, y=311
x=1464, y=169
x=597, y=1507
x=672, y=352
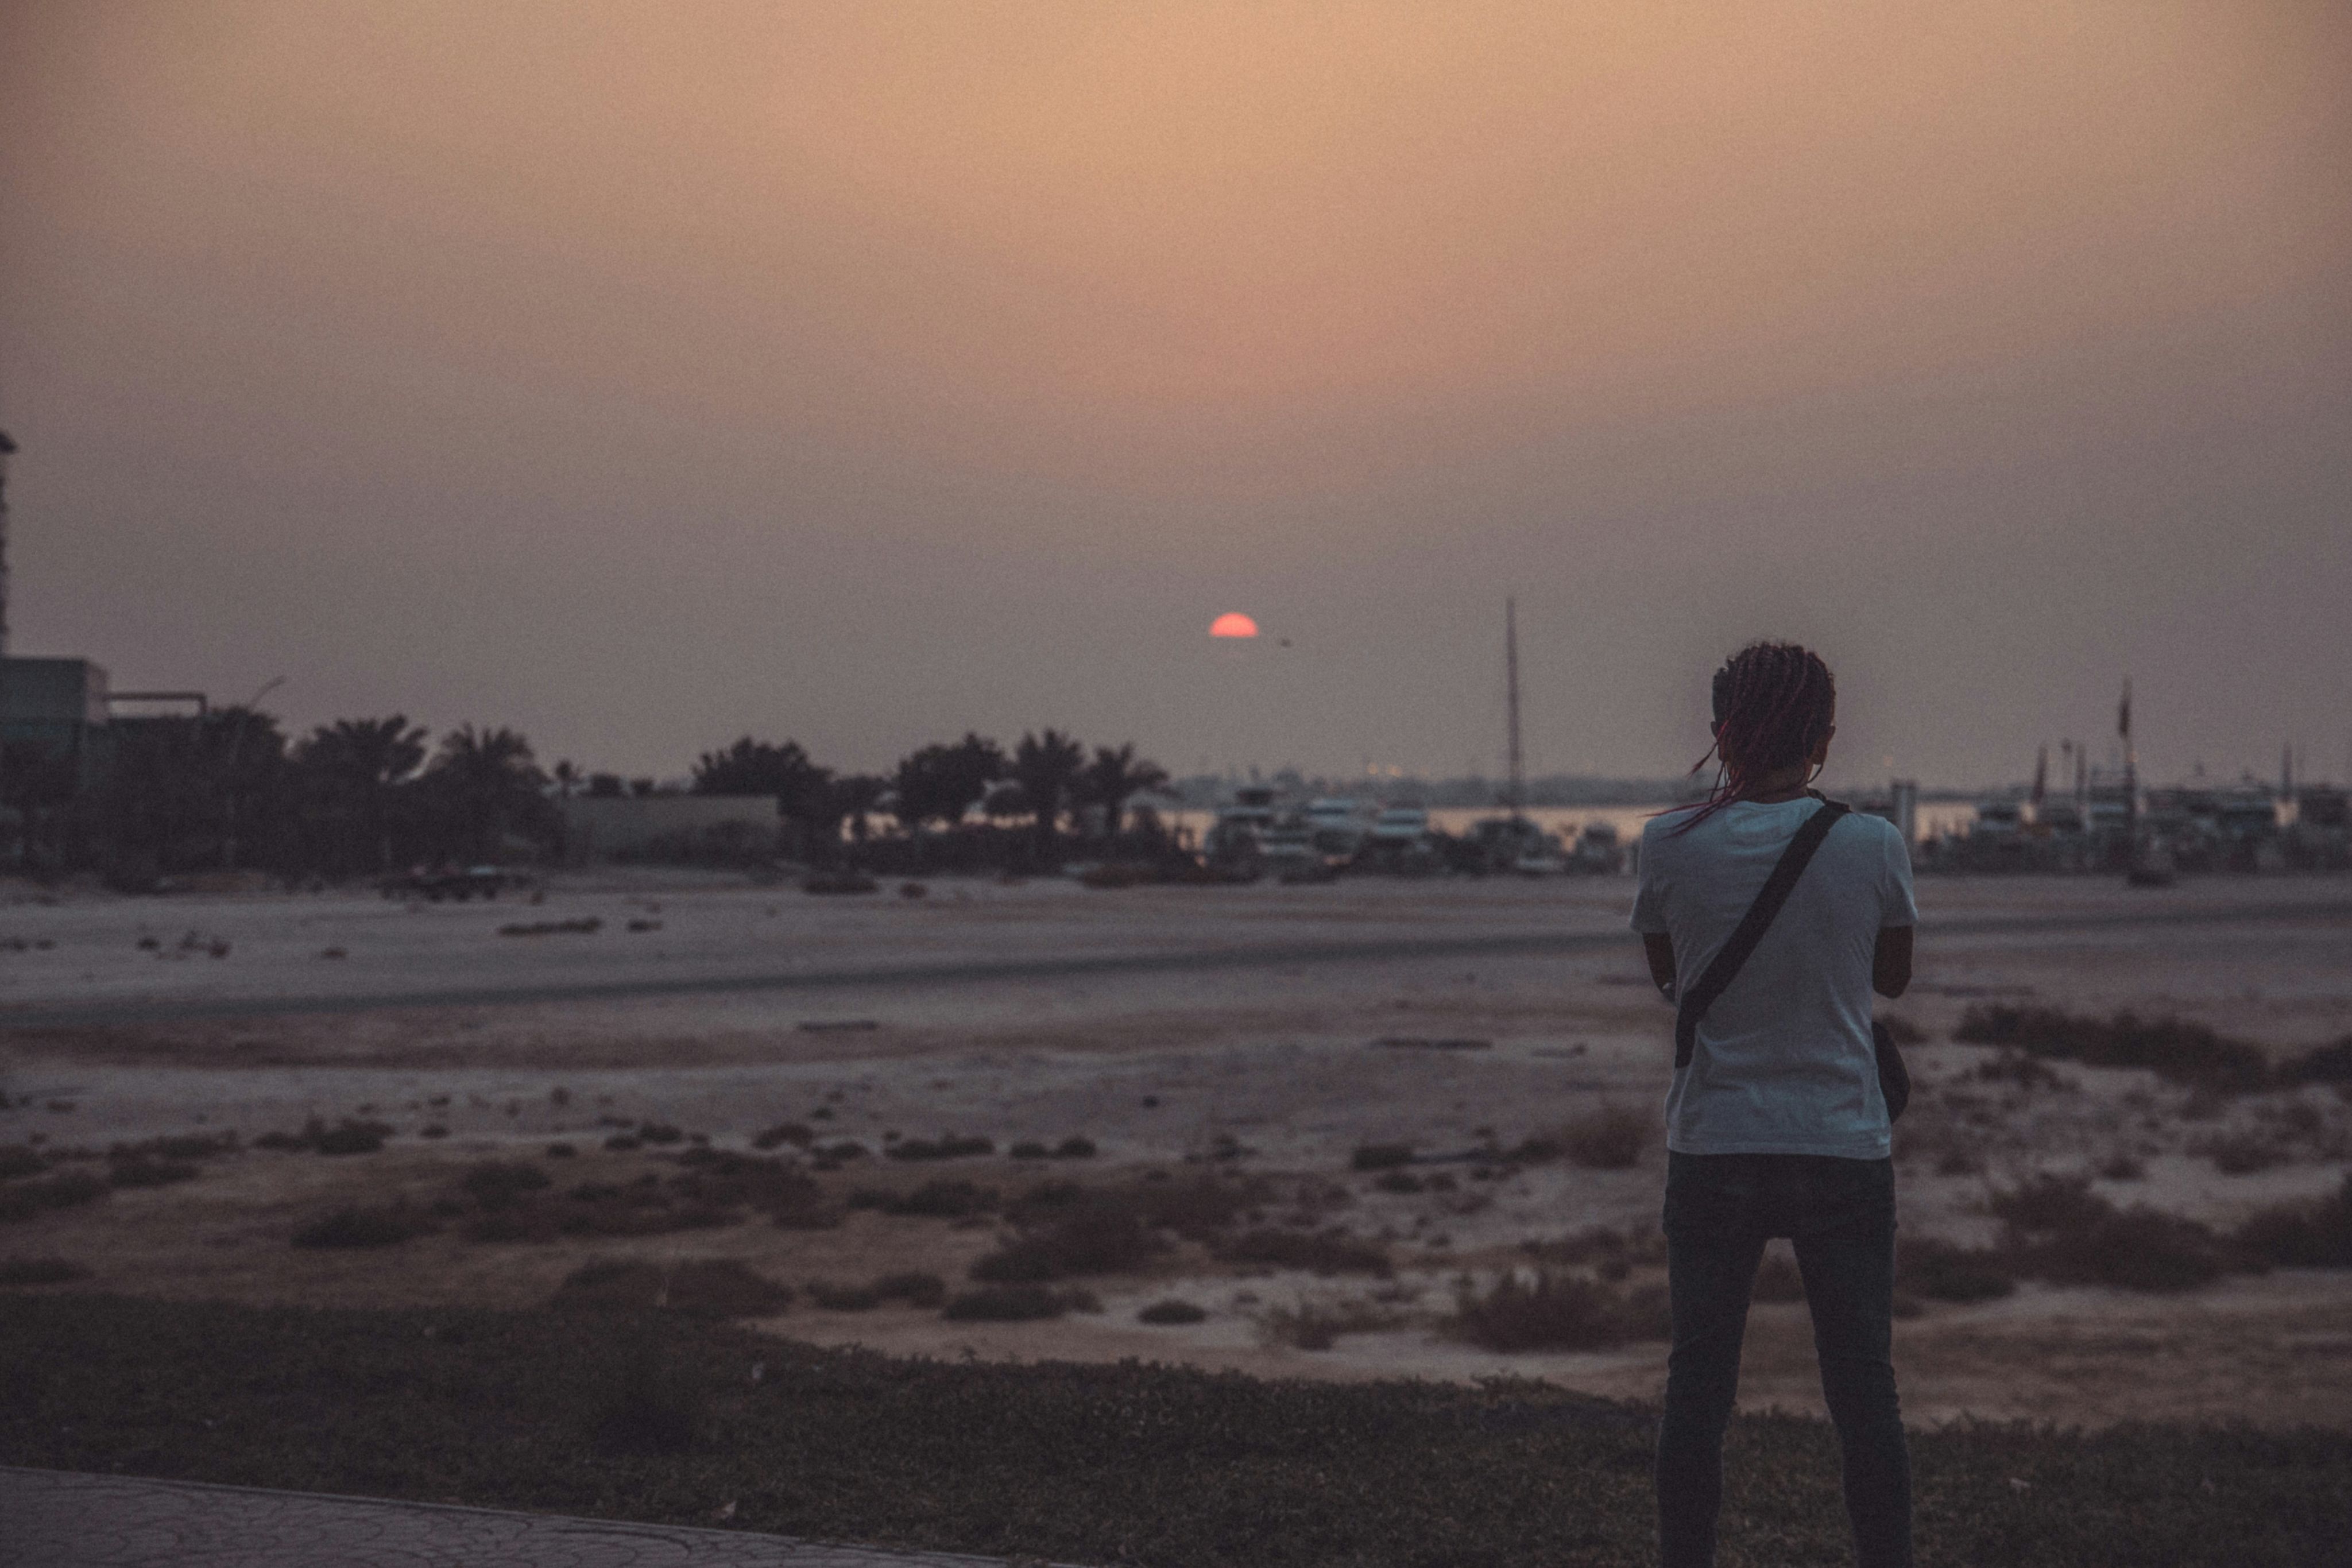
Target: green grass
x=660, y=1418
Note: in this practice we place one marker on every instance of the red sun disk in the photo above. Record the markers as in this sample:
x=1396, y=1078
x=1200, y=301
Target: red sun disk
x=1233, y=623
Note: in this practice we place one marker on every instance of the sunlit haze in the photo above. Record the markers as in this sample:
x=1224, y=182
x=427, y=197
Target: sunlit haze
x=644, y=376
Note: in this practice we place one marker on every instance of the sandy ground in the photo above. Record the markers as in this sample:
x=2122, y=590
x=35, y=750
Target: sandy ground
x=1168, y=1025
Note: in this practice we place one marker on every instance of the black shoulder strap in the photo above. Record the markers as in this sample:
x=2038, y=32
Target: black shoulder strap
x=1750, y=930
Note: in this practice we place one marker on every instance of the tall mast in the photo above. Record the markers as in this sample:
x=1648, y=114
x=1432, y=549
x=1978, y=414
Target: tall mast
x=1516, y=791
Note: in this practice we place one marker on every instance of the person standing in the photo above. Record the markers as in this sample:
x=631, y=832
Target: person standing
x=1776, y=1124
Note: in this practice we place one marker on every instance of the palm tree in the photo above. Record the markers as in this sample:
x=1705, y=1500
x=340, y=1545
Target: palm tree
x=489, y=783
x=356, y=767
x=1115, y=776
x=1048, y=765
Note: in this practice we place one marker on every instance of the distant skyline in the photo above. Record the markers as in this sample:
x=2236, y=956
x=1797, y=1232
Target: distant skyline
x=642, y=377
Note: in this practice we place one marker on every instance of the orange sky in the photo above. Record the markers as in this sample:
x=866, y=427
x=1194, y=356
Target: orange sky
x=862, y=372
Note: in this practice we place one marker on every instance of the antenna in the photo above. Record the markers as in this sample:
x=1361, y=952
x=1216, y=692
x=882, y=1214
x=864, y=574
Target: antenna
x=1514, y=791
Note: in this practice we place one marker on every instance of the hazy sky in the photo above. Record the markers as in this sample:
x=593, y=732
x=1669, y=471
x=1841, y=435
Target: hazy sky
x=641, y=375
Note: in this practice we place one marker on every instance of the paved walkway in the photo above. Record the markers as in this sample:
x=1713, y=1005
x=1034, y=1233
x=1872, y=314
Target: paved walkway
x=56, y=1519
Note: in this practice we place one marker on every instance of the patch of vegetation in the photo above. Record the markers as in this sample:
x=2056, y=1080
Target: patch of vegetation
x=1901, y=1030
x=1016, y=1304
x=2315, y=1234
x=2060, y=1230
x=917, y=1290
x=793, y=1133
x=2330, y=1063
x=2179, y=1050
x=40, y=1271
x=946, y=1146
x=1171, y=1312
x=1609, y=1139
x=497, y=1184
x=2025, y=1071
x=1554, y=1311
x=1942, y=1272
x=710, y=1287
x=1075, y=1149
x=941, y=1200
x=66, y=1190
x=20, y=1160
x=1161, y=1467
x=143, y=1170
x=1379, y=1156
x=1318, y=1324
x=352, y=1225
x=1094, y=1238
x=2243, y=1151
x=1400, y=1182
x=1319, y=1252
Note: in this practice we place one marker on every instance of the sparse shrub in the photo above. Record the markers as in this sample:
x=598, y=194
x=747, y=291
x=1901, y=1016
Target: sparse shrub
x=1401, y=1181
x=1942, y=1272
x=2048, y=1205
x=2023, y=1071
x=1901, y=1030
x=1380, y=1156
x=942, y=1200
x=1016, y=1304
x=1318, y=1325
x=1322, y=1254
x=1029, y=1149
x=2122, y=1165
x=914, y=1288
x=1556, y=1312
x=793, y=1133
x=20, y=1160
x=713, y=1287
x=140, y=1170
x=926, y=1290
x=946, y=1146
x=1172, y=1312
x=1075, y=1149
x=433, y=1130
x=1956, y=1161
x=1609, y=1139
x=2315, y=1234
x=2242, y=1152
x=2138, y=1249
x=497, y=1184
x=357, y=1227
x=659, y=1132
x=66, y=1190
x=623, y=1143
x=349, y=1137
x=1778, y=1279
x=1093, y=1239
x=2184, y=1053
x=561, y=1152
x=40, y=1271
x=2323, y=1064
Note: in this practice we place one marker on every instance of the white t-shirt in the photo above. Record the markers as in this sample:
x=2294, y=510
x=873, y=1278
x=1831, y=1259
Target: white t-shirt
x=1784, y=1063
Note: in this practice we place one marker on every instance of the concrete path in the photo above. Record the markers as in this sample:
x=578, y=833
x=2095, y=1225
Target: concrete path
x=57, y=1519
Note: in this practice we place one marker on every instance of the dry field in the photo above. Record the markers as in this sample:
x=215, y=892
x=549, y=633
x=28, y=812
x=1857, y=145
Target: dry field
x=1253, y=1038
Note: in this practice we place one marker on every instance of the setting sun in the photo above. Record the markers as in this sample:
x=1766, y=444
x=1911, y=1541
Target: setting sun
x=1233, y=623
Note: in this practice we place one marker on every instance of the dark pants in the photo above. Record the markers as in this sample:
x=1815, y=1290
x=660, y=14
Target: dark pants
x=1840, y=1214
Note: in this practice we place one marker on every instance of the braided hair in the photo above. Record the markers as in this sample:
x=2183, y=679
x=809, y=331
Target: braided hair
x=1774, y=703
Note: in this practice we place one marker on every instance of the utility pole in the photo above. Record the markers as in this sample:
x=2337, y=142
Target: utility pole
x=1514, y=792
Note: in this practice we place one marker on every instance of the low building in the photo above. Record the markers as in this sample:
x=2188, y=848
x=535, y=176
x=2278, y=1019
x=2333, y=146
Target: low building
x=668, y=827
x=56, y=710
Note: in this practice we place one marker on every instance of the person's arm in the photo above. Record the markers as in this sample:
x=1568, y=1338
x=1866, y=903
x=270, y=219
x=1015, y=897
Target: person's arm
x=1659, y=948
x=1890, y=965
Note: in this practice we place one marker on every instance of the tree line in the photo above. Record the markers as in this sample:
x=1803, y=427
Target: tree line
x=229, y=790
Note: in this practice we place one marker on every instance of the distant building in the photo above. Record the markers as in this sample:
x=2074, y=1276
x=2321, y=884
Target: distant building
x=56, y=710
